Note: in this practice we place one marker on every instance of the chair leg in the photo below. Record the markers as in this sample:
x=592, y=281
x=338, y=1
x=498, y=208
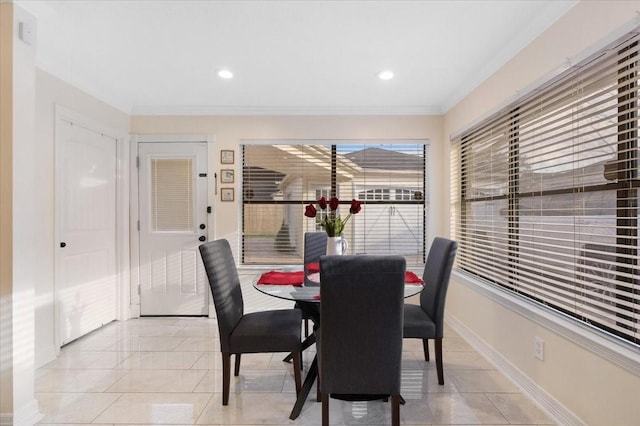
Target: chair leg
x=395, y=410
x=236, y=370
x=297, y=361
x=318, y=394
x=438, y=345
x=226, y=377
x=425, y=348
x=306, y=328
x=325, y=409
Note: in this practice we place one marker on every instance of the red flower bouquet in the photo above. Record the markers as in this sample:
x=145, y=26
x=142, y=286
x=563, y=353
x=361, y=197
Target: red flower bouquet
x=332, y=223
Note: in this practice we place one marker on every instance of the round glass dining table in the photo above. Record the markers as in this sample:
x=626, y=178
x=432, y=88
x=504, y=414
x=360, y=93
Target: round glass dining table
x=309, y=294
x=310, y=290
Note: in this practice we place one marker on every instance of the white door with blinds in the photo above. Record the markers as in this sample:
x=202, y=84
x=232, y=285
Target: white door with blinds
x=85, y=229
x=173, y=218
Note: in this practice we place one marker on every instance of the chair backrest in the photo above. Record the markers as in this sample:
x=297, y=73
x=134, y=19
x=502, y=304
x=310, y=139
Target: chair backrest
x=225, y=287
x=361, y=324
x=437, y=272
x=315, y=245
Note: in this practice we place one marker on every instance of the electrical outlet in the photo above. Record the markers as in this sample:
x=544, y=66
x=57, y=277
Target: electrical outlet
x=538, y=348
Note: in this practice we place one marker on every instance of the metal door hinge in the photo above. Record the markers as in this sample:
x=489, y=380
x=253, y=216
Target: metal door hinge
x=138, y=225
x=137, y=162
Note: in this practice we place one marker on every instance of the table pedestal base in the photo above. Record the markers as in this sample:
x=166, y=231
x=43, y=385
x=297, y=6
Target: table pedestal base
x=311, y=376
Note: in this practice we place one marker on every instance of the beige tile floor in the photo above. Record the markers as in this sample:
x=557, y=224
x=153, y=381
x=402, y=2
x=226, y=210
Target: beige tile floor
x=168, y=371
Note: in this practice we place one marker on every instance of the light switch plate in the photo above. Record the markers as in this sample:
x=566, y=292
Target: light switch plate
x=25, y=32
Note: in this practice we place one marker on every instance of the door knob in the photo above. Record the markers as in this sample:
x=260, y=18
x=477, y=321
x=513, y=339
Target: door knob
x=202, y=238
x=203, y=226
x=63, y=244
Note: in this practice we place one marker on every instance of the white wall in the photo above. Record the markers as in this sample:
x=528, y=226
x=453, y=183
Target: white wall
x=229, y=131
x=6, y=212
x=49, y=92
x=17, y=402
x=584, y=386
x=595, y=390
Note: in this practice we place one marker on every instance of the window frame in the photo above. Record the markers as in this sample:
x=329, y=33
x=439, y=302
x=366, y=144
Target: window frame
x=332, y=185
x=626, y=188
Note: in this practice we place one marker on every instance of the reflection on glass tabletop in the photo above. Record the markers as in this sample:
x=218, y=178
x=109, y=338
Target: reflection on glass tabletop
x=310, y=290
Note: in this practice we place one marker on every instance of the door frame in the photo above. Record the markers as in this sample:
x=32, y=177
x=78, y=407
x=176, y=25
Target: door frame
x=134, y=206
x=63, y=113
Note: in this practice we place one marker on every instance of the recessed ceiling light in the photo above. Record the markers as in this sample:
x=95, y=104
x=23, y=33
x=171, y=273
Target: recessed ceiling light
x=385, y=75
x=224, y=73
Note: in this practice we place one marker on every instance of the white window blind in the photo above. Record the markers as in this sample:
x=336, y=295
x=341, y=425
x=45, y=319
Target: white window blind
x=171, y=195
x=280, y=180
x=545, y=194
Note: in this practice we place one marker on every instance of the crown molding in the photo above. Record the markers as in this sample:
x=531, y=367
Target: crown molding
x=288, y=110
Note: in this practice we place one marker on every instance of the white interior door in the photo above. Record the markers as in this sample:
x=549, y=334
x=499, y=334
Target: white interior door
x=173, y=218
x=86, y=230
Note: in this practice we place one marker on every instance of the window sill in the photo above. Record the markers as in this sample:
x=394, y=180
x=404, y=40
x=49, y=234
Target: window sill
x=608, y=347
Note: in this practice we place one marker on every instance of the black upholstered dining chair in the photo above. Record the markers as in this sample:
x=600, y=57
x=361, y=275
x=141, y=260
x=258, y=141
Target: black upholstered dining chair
x=257, y=332
x=315, y=245
x=360, y=335
x=426, y=321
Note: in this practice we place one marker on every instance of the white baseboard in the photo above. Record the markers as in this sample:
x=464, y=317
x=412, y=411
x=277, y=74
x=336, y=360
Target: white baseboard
x=27, y=415
x=45, y=356
x=134, y=311
x=558, y=412
x=601, y=344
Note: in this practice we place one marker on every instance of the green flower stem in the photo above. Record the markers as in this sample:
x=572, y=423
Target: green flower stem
x=333, y=224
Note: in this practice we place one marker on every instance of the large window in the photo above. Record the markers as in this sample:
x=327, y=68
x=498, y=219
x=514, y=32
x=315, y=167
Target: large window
x=545, y=194
x=280, y=179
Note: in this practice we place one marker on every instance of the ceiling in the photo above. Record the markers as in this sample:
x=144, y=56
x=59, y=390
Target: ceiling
x=288, y=57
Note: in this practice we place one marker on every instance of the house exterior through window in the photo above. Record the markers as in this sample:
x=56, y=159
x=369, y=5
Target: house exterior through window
x=279, y=180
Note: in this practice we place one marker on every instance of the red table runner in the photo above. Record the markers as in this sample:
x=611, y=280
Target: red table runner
x=411, y=278
x=295, y=278
x=313, y=267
